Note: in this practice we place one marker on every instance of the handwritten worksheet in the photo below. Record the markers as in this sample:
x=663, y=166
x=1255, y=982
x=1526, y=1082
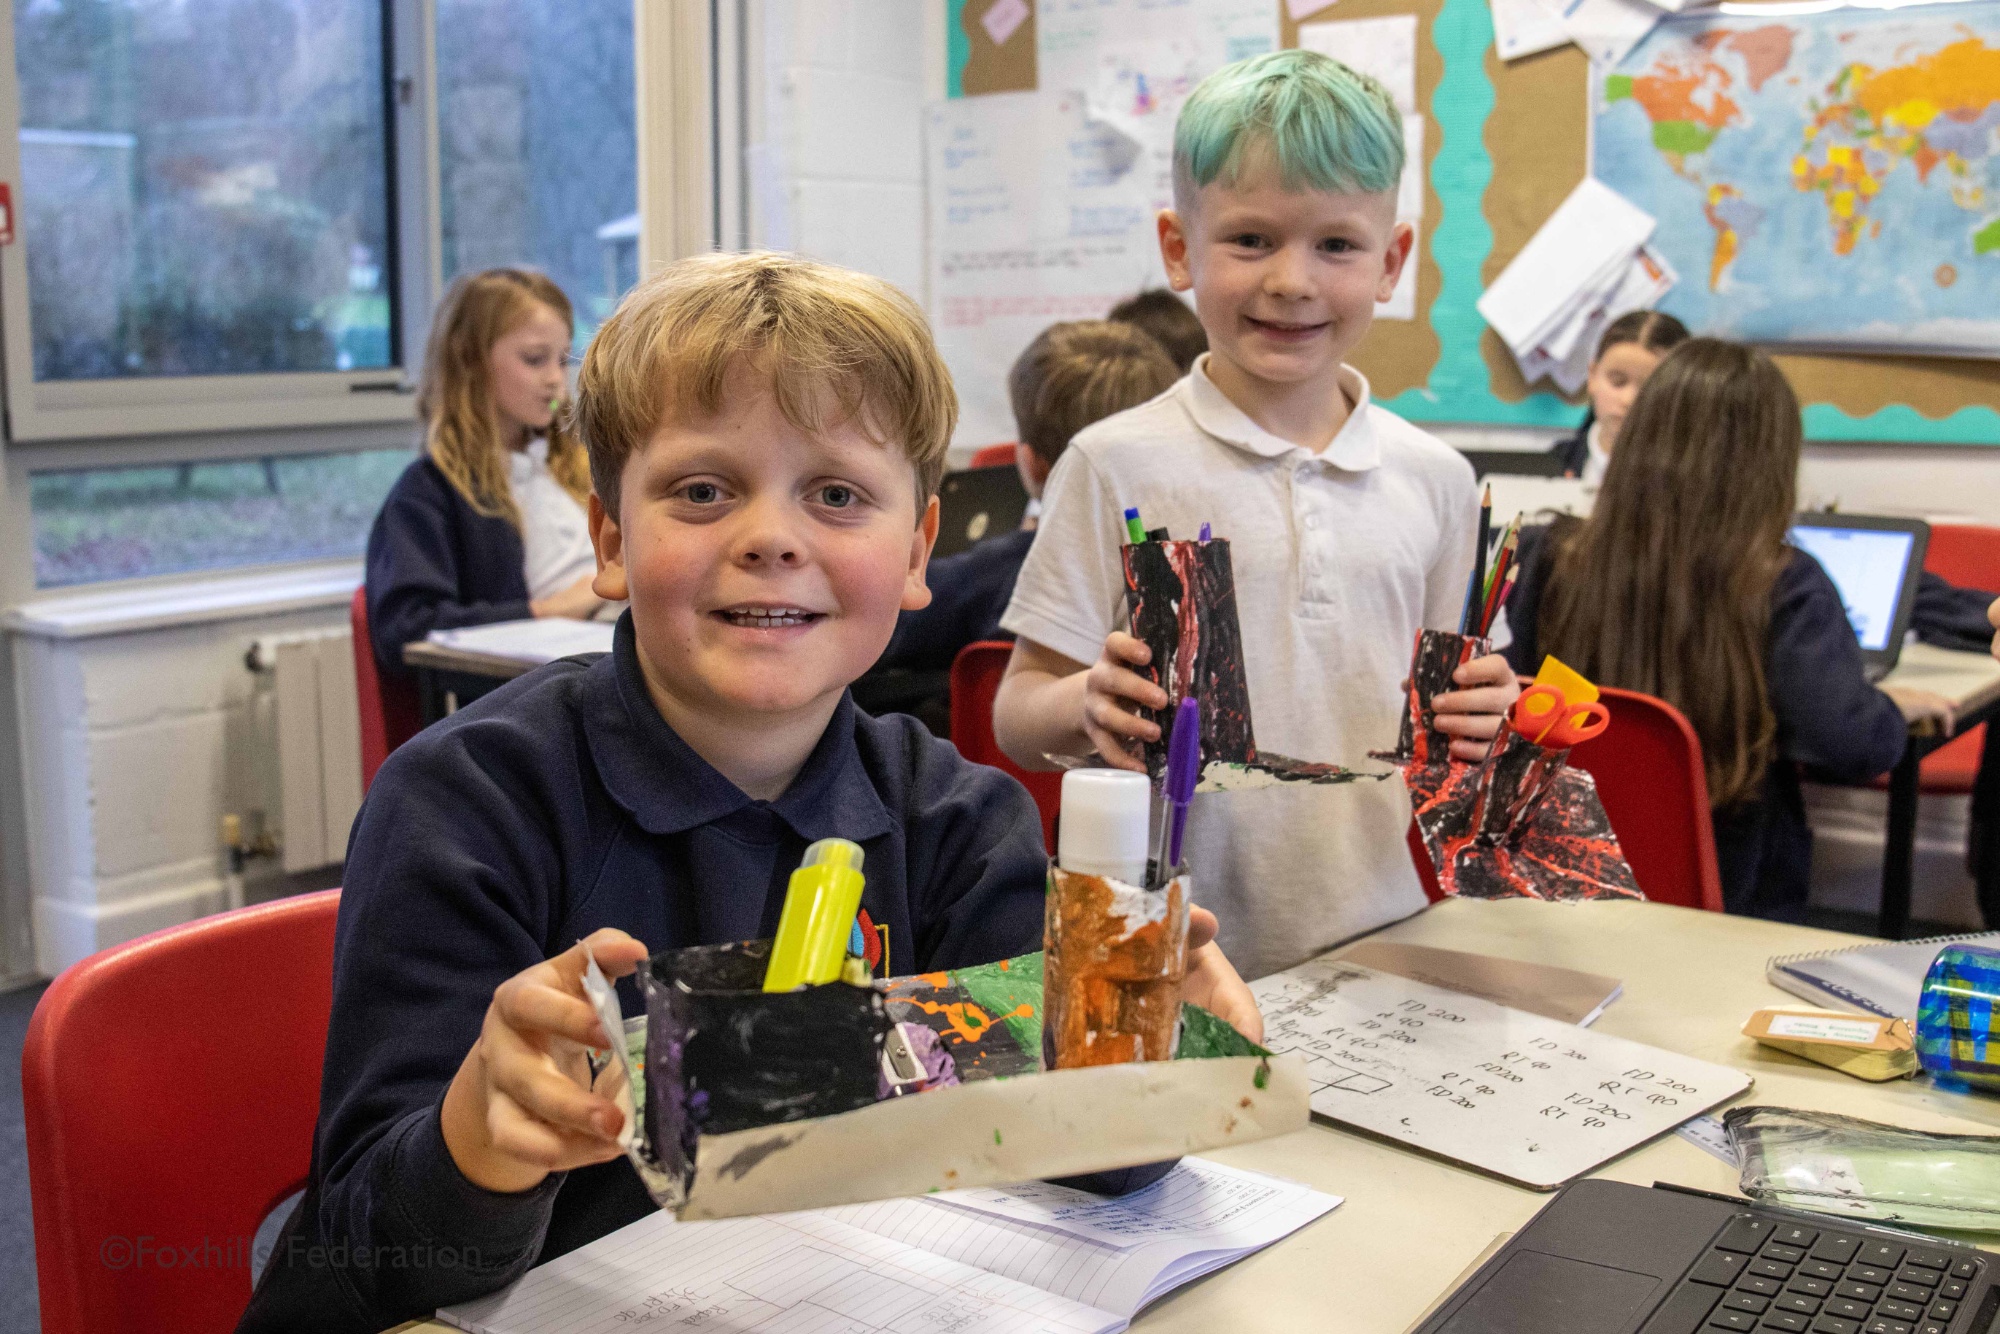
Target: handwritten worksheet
x=1531, y=1099
x=1032, y=1259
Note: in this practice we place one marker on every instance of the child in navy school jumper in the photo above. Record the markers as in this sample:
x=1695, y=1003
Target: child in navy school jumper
x=489, y=525
x=1681, y=584
x=1071, y=375
x=766, y=437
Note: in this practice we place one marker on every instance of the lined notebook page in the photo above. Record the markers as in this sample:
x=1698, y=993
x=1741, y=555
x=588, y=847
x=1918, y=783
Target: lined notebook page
x=790, y=1274
x=1114, y=1254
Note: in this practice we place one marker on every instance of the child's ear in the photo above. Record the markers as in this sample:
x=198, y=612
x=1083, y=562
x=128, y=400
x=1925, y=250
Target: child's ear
x=610, y=583
x=1402, y=240
x=917, y=593
x=1174, y=250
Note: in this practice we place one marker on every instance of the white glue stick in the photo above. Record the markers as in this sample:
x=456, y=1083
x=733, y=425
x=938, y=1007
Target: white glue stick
x=1104, y=819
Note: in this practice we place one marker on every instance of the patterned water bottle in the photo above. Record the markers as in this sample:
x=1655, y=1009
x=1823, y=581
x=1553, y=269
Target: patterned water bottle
x=1955, y=1018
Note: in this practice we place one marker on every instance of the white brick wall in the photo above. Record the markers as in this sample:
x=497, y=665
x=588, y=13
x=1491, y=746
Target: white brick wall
x=841, y=117
x=136, y=741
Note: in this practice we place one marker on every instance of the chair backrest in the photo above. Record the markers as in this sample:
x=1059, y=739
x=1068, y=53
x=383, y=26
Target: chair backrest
x=992, y=456
x=389, y=711
x=170, y=1086
x=1965, y=554
x=975, y=680
x=1649, y=774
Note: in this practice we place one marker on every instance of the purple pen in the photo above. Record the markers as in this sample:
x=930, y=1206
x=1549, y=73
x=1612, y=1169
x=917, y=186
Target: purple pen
x=1204, y=532
x=1183, y=773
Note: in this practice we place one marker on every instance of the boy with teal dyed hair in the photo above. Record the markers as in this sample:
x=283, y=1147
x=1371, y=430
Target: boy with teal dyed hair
x=1350, y=528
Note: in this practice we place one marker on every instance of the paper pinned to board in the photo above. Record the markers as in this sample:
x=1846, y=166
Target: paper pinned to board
x=1566, y=359
x=1588, y=264
x=1402, y=302
x=1003, y=18
x=1383, y=48
x=1524, y=27
x=1607, y=30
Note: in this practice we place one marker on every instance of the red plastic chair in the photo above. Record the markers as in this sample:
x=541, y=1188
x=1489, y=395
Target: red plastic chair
x=993, y=456
x=170, y=1087
x=390, y=714
x=975, y=680
x=1649, y=774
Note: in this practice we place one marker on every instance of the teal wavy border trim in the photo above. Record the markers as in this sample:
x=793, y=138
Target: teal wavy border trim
x=957, y=48
x=1458, y=390
x=1900, y=424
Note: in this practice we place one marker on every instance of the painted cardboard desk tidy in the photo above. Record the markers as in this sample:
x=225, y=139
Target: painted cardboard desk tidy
x=1523, y=823
x=1183, y=599
x=742, y=1101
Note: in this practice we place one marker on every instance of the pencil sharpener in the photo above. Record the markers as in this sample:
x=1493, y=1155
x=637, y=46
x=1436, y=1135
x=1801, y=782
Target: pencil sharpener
x=723, y=1054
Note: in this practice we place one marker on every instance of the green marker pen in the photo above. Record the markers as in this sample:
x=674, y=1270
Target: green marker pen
x=820, y=902
x=1133, y=528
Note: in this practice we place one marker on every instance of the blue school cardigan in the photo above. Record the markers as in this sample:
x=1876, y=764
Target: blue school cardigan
x=559, y=804
x=1830, y=720
x=435, y=563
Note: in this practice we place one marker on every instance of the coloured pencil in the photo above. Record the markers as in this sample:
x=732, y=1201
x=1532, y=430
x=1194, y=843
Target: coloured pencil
x=1503, y=565
x=1478, y=581
x=1500, y=598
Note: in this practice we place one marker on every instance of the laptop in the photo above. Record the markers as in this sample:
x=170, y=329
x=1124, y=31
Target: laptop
x=1605, y=1257
x=977, y=503
x=1875, y=561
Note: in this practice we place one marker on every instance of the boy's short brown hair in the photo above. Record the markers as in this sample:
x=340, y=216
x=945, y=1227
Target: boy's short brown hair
x=1081, y=372
x=838, y=346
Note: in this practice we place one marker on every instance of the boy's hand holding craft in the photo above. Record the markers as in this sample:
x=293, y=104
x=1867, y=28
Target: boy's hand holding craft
x=522, y=1105
x=1471, y=714
x=1212, y=981
x=1112, y=693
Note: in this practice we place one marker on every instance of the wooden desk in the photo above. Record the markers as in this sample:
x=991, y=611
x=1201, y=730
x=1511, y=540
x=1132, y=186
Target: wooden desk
x=449, y=675
x=1411, y=1224
x=1972, y=682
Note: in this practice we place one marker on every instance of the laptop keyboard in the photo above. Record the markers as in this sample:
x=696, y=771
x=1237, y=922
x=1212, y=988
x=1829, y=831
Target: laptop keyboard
x=1767, y=1275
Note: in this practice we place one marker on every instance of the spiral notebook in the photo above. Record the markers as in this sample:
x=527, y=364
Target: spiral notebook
x=1882, y=979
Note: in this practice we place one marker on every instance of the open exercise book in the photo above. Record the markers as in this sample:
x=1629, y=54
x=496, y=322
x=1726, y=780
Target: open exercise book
x=1021, y=1260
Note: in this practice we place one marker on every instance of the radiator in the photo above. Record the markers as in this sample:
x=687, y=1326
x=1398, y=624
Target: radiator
x=317, y=723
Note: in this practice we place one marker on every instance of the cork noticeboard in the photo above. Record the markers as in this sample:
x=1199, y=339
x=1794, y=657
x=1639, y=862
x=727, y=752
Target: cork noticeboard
x=1505, y=143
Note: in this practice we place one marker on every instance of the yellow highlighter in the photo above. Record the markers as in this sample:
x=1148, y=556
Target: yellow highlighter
x=1575, y=687
x=820, y=903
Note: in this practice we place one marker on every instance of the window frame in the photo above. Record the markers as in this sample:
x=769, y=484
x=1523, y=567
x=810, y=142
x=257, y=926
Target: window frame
x=81, y=410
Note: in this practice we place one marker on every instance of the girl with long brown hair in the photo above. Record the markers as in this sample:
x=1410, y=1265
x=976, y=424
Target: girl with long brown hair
x=1681, y=584
x=490, y=523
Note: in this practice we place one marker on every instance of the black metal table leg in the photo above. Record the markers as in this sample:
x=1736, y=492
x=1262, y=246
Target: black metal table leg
x=1900, y=852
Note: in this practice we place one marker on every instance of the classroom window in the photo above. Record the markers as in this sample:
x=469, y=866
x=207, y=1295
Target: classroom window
x=537, y=157
x=124, y=523
x=204, y=186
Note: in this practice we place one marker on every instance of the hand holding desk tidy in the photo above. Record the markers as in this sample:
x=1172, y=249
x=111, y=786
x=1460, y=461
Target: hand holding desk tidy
x=1522, y=822
x=775, y=1075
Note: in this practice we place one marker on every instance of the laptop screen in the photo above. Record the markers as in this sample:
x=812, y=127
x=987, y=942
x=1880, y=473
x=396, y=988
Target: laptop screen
x=1867, y=566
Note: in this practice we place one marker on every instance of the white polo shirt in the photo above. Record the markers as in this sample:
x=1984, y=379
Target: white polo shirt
x=1340, y=558
x=555, y=530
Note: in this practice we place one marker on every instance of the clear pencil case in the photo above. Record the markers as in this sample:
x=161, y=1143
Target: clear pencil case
x=1859, y=1169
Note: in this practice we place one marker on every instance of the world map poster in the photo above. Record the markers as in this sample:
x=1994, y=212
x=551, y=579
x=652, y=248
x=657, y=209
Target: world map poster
x=1819, y=178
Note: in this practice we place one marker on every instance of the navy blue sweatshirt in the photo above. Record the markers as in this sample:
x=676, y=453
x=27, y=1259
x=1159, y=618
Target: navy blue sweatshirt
x=435, y=563
x=1830, y=719
x=557, y=805
x=969, y=595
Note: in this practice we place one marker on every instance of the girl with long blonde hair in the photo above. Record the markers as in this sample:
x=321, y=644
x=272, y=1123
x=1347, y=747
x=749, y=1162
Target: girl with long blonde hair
x=490, y=524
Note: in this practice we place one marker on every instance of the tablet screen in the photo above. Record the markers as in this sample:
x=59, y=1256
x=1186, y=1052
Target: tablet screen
x=1866, y=565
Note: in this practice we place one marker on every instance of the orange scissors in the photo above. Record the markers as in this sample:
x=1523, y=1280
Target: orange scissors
x=1544, y=715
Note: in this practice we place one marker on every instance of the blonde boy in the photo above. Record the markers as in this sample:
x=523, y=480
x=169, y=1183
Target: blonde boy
x=766, y=436
x=1350, y=528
